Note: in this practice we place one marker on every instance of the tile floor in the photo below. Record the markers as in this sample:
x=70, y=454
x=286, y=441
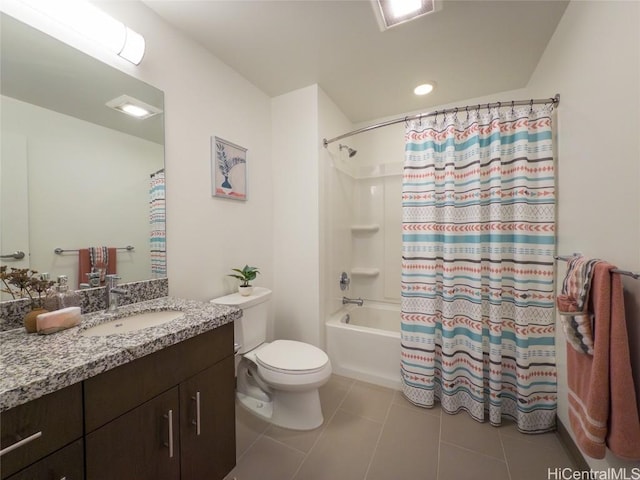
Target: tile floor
x=373, y=433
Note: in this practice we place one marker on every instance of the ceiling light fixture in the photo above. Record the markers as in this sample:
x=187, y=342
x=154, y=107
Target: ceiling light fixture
x=390, y=13
x=424, y=89
x=94, y=24
x=134, y=107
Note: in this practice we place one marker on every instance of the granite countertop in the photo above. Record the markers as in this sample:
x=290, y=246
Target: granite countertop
x=34, y=365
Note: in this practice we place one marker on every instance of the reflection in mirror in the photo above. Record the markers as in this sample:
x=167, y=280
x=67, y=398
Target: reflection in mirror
x=76, y=174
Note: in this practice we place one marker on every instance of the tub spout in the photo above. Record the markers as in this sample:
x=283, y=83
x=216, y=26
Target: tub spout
x=356, y=301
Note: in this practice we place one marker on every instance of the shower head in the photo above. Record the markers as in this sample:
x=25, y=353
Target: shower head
x=351, y=151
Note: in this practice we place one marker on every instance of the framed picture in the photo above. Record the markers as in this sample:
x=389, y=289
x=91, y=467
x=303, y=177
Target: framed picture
x=228, y=169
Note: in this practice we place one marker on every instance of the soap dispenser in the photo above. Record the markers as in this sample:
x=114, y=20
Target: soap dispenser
x=60, y=296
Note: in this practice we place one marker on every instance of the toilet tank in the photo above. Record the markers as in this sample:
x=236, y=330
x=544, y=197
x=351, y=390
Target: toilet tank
x=251, y=329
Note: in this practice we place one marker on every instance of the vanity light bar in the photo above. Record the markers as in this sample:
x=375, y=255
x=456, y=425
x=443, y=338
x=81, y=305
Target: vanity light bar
x=92, y=23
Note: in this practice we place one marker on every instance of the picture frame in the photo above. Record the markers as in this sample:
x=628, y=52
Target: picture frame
x=228, y=169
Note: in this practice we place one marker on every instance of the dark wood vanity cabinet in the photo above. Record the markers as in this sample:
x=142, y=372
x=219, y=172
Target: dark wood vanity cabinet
x=142, y=444
x=207, y=423
x=169, y=415
x=39, y=439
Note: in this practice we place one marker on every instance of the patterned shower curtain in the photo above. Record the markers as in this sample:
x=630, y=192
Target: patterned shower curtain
x=477, y=273
x=158, y=225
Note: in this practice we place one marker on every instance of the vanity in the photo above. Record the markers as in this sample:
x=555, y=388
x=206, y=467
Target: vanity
x=157, y=403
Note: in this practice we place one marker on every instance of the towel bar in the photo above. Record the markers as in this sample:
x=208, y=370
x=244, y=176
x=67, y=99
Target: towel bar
x=634, y=275
x=60, y=251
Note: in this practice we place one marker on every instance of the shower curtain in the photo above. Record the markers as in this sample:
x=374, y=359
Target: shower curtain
x=478, y=241
x=157, y=207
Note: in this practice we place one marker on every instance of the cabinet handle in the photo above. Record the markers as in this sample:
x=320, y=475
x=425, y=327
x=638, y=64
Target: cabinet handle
x=22, y=442
x=169, y=417
x=196, y=422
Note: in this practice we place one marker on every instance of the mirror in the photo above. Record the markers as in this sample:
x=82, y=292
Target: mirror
x=74, y=172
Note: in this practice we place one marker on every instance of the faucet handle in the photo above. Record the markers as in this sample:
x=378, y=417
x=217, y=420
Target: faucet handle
x=112, y=279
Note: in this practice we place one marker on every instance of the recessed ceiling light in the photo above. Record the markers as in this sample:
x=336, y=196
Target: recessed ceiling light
x=423, y=89
x=133, y=106
x=394, y=12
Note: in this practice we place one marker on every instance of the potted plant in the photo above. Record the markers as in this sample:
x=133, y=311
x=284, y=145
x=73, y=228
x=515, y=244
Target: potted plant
x=245, y=275
x=26, y=283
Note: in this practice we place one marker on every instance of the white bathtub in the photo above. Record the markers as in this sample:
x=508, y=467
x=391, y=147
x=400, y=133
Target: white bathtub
x=364, y=343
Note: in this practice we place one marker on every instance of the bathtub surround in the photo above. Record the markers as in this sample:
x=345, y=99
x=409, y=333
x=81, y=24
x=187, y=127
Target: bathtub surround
x=92, y=300
x=477, y=275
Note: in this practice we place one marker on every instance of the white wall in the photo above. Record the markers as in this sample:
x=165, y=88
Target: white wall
x=88, y=186
x=206, y=236
x=593, y=61
x=297, y=218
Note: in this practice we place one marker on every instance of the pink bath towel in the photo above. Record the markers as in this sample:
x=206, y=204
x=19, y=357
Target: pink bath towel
x=602, y=403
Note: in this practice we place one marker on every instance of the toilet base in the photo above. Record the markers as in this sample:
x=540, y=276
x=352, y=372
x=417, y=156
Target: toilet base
x=292, y=410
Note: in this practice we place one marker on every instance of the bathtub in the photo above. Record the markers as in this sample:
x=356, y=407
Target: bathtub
x=364, y=343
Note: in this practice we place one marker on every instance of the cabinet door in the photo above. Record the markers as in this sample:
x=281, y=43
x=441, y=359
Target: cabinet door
x=207, y=423
x=142, y=444
x=66, y=463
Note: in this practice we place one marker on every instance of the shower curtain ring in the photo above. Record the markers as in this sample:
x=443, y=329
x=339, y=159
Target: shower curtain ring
x=531, y=106
x=512, y=104
x=406, y=122
x=455, y=114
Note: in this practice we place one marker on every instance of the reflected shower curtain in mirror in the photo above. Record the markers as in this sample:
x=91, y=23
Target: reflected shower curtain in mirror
x=157, y=207
x=478, y=241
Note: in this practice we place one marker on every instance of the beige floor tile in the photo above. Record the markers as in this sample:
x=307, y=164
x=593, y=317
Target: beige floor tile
x=400, y=399
x=508, y=429
x=248, y=429
x=368, y=401
x=463, y=431
x=461, y=464
x=529, y=460
x=343, y=451
x=267, y=459
x=300, y=440
x=333, y=393
x=408, y=446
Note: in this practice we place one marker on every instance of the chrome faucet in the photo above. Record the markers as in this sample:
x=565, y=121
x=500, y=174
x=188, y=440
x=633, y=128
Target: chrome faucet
x=357, y=301
x=114, y=292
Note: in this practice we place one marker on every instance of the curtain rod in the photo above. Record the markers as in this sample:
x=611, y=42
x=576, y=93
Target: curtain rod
x=566, y=258
x=554, y=100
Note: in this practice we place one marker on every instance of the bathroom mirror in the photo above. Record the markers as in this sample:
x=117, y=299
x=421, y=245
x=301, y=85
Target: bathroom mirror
x=76, y=173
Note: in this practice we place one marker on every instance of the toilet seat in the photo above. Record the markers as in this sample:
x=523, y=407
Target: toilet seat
x=291, y=357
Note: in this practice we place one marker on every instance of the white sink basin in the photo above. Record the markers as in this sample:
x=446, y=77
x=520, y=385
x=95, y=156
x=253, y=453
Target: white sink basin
x=132, y=323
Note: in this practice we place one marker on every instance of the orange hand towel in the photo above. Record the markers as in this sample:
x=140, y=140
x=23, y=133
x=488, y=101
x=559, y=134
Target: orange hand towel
x=602, y=402
x=84, y=263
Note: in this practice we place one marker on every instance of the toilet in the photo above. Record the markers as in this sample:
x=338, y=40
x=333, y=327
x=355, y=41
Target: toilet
x=277, y=381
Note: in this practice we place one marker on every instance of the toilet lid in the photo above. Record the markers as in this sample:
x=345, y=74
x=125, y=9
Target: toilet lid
x=291, y=356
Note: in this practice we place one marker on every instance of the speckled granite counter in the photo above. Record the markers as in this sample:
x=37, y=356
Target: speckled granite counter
x=34, y=365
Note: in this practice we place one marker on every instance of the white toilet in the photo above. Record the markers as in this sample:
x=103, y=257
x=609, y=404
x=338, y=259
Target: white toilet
x=276, y=381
